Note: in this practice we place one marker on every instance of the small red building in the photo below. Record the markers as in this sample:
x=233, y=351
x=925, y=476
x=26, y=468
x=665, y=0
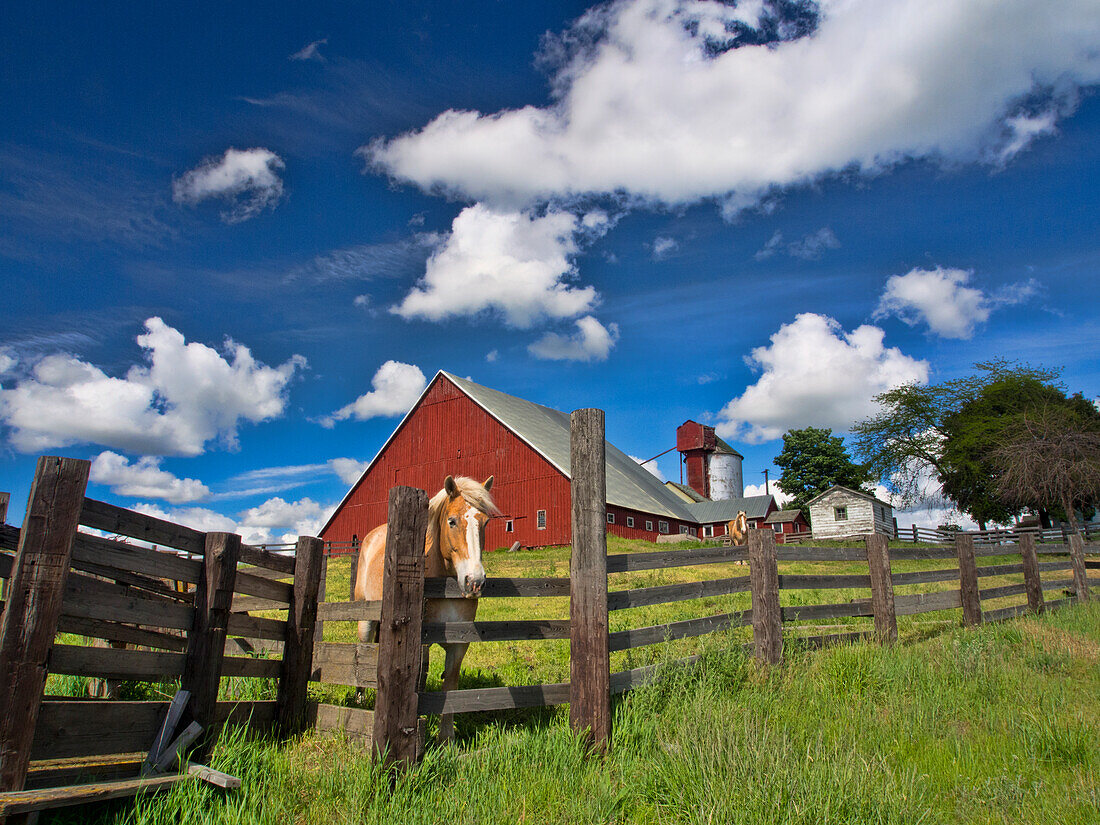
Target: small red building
x=785, y=522
x=458, y=427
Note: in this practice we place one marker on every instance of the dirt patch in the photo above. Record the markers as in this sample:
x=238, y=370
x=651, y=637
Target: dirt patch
x=1057, y=640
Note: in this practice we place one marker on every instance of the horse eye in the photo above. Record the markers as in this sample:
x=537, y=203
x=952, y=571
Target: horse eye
x=452, y=521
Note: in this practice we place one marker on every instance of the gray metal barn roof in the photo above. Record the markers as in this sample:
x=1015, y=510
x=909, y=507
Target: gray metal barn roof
x=629, y=484
x=547, y=431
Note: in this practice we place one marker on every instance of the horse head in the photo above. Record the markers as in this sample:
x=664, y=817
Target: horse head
x=460, y=511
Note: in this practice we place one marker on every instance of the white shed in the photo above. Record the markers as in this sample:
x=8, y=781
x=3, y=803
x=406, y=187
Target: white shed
x=840, y=512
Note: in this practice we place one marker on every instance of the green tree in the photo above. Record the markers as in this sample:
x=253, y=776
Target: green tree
x=947, y=432
x=1049, y=458
x=812, y=461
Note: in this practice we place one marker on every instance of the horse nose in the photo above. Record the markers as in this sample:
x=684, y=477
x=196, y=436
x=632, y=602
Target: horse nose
x=472, y=585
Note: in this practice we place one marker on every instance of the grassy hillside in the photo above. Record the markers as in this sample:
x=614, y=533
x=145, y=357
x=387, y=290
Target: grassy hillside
x=991, y=725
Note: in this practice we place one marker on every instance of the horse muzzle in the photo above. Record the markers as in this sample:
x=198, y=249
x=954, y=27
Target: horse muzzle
x=471, y=587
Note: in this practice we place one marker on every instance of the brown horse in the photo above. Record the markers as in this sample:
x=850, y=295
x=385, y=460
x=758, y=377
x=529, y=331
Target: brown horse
x=452, y=547
x=738, y=529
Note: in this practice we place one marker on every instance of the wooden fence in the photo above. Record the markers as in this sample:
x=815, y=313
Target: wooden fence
x=188, y=600
x=172, y=608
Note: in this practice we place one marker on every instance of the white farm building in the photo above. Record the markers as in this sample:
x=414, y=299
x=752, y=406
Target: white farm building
x=840, y=512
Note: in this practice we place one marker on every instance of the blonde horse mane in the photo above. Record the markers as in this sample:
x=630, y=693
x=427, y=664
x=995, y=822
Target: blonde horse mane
x=472, y=491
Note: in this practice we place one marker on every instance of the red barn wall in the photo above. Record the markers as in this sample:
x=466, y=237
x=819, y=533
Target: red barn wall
x=448, y=434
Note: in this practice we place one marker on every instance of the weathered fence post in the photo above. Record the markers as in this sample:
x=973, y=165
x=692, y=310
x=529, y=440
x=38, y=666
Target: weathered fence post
x=1032, y=582
x=301, y=622
x=396, y=731
x=319, y=627
x=767, y=616
x=589, y=643
x=882, y=587
x=916, y=535
x=4, y=499
x=354, y=572
x=202, y=667
x=34, y=606
x=1080, y=577
x=968, y=579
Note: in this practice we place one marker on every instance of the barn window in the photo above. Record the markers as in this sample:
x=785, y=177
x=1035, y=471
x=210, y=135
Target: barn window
x=508, y=526
x=540, y=519
x=708, y=530
x=777, y=527
x=630, y=521
x=683, y=529
x=649, y=526
x=610, y=518
x=663, y=525
x=841, y=513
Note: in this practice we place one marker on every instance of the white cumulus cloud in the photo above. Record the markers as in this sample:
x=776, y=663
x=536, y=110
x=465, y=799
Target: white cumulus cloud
x=396, y=388
x=248, y=179
x=275, y=521
x=592, y=342
x=941, y=299
x=774, y=490
x=311, y=51
x=651, y=467
x=650, y=100
x=816, y=374
x=348, y=470
x=514, y=263
x=186, y=395
x=144, y=478
x=197, y=518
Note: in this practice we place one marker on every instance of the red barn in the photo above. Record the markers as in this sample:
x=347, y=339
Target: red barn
x=458, y=427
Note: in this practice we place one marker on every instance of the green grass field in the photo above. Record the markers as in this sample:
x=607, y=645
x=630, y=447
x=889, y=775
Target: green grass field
x=994, y=724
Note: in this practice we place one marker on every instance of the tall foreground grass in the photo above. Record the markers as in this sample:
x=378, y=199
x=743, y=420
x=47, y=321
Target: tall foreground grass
x=988, y=725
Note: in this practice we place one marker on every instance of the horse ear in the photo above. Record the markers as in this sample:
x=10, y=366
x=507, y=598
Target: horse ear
x=488, y=485
x=450, y=486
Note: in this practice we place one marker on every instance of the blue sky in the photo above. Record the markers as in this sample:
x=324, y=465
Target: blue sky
x=235, y=239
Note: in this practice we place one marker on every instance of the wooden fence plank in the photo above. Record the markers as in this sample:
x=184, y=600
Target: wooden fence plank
x=354, y=723
x=23, y=802
x=1004, y=613
x=861, y=607
x=206, y=643
x=767, y=618
x=115, y=663
x=639, y=637
x=349, y=611
x=924, y=576
x=510, y=631
x=345, y=664
x=124, y=633
x=449, y=588
x=968, y=580
x=913, y=603
x=122, y=522
x=667, y=593
x=626, y=562
x=256, y=627
x=300, y=626
x=244, y=604
x=797, y=553
x=1002, y=592
x=159, y=563
x=498, y=698
x=987, y=570
x=134, y=582
x=72, y=728
x=624, y=680
x=33, y=606
x=395, y=721
x=589, y=656
x=882, y=588
x=257, y=556
x=263, y=588
x=252, y=667
x=823, y=582
x=91, y=598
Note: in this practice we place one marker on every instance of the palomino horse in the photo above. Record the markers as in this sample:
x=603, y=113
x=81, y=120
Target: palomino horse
x=452, y=547
x=738, y=529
